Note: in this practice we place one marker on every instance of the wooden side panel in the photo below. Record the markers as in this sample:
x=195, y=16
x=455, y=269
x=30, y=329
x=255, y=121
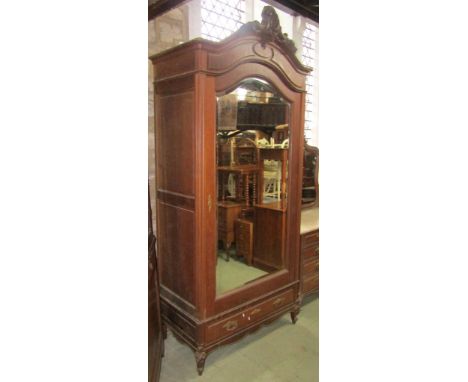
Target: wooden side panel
x=176, y=243
x=175, y=144
x=179, y=322
x=175, y=85
x=177, y=64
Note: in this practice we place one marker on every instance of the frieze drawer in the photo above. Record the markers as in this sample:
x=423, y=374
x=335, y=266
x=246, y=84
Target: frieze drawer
x=239, y=321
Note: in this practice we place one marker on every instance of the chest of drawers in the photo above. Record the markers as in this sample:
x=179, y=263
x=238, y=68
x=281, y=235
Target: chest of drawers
x=310, y=262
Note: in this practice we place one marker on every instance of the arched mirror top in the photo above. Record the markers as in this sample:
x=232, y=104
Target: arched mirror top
x=253, y=105
x=249, y=89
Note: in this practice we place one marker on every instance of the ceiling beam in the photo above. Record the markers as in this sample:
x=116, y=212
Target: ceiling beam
x=306, y=8
x=158, y=7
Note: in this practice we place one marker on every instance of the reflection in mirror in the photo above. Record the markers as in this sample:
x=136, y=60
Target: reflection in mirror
x=252, y=171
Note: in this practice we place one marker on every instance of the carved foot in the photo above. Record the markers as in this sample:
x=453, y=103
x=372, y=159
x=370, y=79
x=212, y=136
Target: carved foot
x=200, y=357
x=294, y=315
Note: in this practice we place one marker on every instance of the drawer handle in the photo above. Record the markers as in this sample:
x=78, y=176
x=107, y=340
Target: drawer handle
x=230, y=326
x=278, y=301
x=255, y=311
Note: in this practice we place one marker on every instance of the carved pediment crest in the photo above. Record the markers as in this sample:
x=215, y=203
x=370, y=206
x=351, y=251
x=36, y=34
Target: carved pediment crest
x=269, y=30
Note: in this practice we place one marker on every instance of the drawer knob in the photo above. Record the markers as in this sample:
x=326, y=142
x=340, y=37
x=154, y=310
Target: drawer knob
x=278, y=301
x=230, y=326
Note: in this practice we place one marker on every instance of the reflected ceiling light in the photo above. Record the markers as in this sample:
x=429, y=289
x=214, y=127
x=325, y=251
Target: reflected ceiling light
x=241, y=93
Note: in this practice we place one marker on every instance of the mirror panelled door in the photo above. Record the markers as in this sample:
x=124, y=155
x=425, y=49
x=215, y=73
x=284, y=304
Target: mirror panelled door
x=259, y=175
x=252, y=146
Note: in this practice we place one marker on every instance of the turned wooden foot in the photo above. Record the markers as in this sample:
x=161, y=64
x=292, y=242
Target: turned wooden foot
x=200, y=357
x=294, y=315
